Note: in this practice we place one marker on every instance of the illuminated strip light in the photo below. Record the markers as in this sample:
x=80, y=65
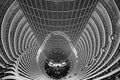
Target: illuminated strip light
x=109, y=74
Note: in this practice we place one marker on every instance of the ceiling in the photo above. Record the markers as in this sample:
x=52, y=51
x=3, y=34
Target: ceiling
x=87, y=30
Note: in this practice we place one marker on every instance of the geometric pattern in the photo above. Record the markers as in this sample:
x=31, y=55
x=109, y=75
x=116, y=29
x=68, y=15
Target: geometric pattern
x=91, y=27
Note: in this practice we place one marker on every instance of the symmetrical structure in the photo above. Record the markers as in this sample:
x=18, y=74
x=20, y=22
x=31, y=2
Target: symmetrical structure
x=60, y=39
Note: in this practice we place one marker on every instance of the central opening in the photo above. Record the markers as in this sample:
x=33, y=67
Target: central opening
x=57, y=55
x=57, y=65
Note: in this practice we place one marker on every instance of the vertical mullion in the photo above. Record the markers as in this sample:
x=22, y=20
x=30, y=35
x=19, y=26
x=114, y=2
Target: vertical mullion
x=38, y=4
x=73, y=20
x=67, y=13
x=80, y=17
x=33, y=3
x=76, y=15
x=78, y=24
x=86, y=9
x=62, y=12
x=67, y=20
x=72, y=11
x=52, y=22
x=29, y=3
x=43, y=20
x=39, y=16
x=70, y=17
x=52, y=15
x=79, y=21
x=34, y=14
x=47, y=16
x=37, y=12
x=91, y=7
x=57, y=15
x=28, y=13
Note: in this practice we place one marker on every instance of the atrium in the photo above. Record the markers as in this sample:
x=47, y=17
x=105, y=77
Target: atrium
x=59, y=39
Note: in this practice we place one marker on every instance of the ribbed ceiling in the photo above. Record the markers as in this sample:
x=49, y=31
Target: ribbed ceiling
x=88, y=31
x=69, y=17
